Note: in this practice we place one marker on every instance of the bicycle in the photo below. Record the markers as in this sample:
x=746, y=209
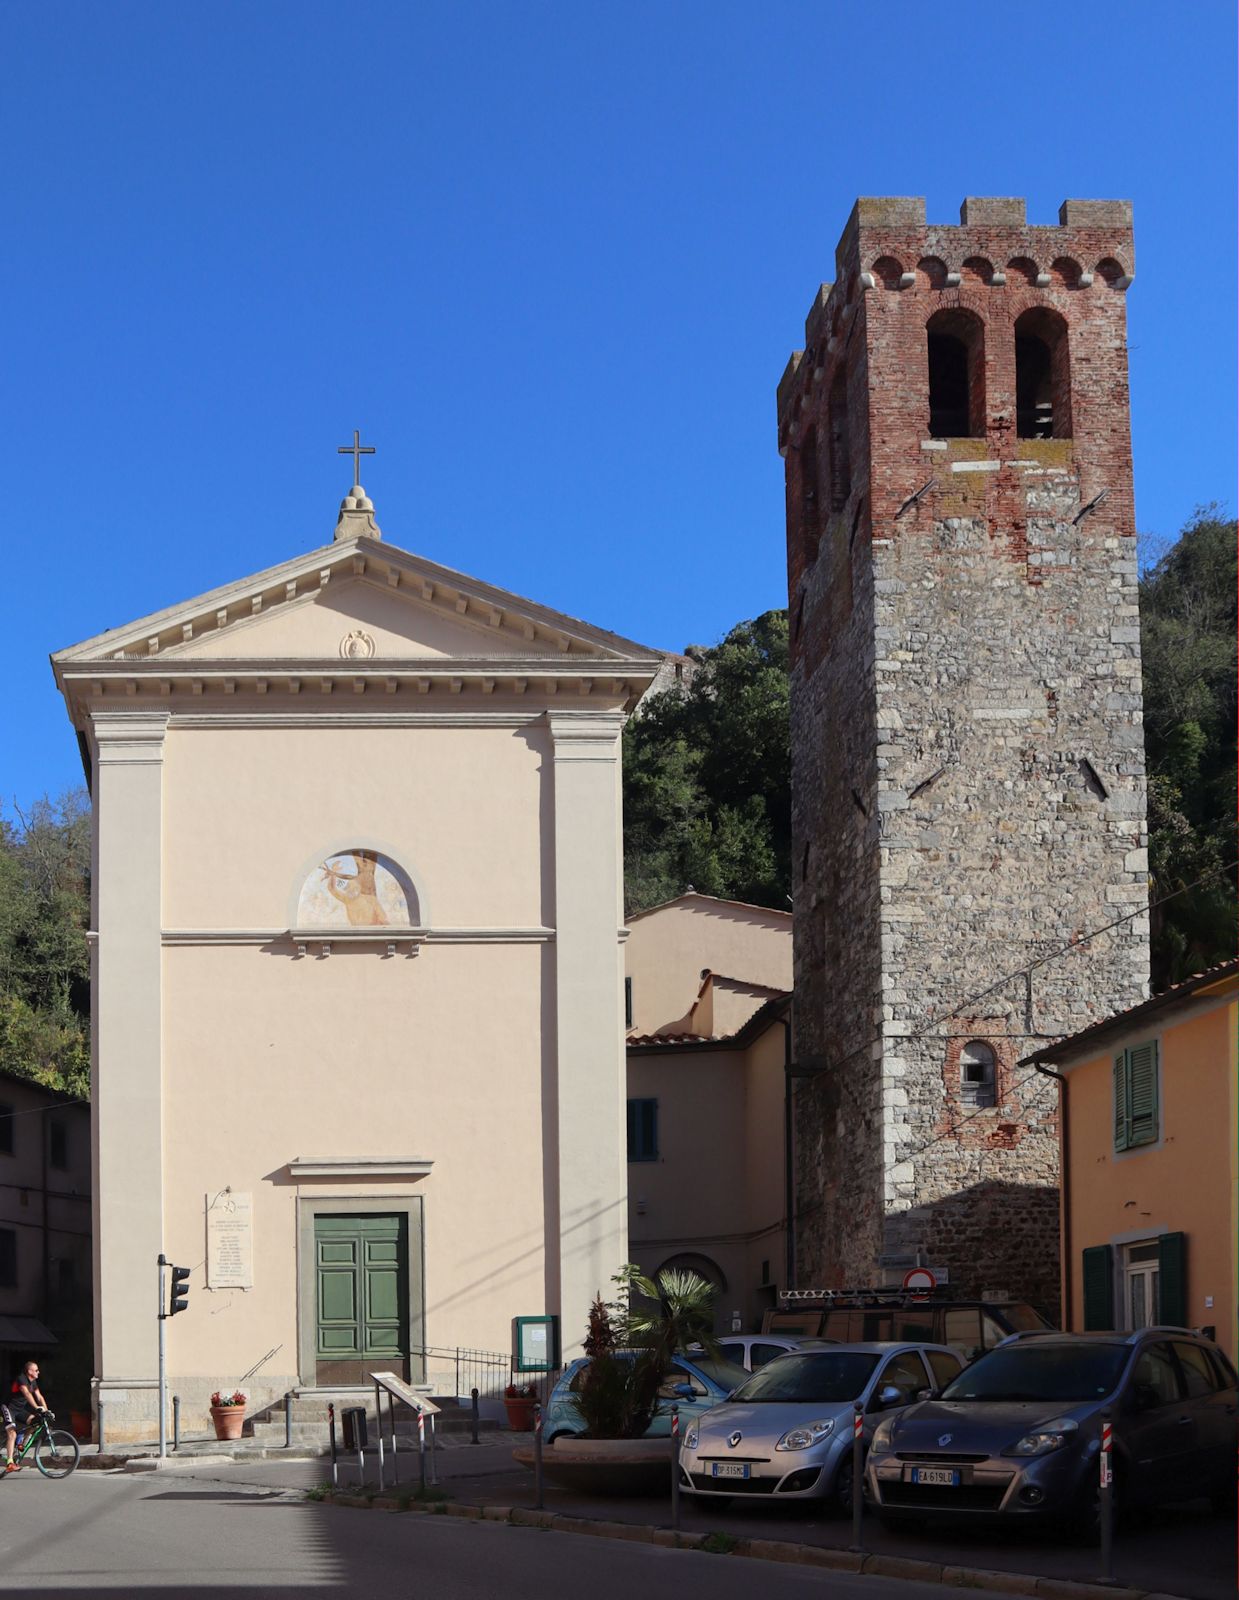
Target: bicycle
x=56, y=1451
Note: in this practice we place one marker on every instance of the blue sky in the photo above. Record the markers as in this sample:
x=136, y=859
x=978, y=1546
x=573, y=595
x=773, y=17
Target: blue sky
x=549, y=257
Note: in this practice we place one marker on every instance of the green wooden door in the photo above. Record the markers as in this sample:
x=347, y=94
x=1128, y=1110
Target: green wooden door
x=362, y=1295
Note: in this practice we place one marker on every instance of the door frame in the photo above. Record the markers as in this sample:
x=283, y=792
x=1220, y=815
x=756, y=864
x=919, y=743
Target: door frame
x=311, y=1207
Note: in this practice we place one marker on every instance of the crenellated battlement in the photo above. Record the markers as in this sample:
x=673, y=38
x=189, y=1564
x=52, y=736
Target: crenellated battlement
x=887, y=246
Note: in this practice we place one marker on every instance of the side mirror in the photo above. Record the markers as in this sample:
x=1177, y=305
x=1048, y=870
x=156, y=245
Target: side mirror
x=888, y=1395
x=684, y=1391
x=927, y=1394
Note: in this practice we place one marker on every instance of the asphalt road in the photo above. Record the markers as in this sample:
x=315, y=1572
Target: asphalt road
x=170, y=1535
x=1180, y=1550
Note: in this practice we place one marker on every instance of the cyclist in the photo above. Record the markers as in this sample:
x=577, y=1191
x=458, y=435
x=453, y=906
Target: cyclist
x=25, y=1397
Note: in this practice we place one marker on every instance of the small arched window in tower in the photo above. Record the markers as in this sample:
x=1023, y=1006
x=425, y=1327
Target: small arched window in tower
x=840, y=442
x=1042, y=376
x=810, y=497
x=977, y=1075
x=956, y=375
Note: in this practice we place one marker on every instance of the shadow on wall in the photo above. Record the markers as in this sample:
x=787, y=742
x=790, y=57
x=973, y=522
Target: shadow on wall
x=995, y=1238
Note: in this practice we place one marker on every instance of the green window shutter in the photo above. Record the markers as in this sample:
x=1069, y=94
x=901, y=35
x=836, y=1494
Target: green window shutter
x=1142, y=1094
x=1098, y=1288
x=1172, y=1279
x=1120, y=1101
x=633, y=1133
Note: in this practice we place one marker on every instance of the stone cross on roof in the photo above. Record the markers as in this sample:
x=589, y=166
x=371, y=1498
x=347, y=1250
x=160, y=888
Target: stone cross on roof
x=356, y=450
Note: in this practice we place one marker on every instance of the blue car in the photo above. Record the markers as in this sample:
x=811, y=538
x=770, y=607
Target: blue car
x=694, y=1384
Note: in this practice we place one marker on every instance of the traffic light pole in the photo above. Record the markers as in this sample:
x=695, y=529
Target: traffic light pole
x=163, y=1367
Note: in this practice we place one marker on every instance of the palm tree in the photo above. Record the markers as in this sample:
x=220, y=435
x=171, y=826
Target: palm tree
x=656, y=1317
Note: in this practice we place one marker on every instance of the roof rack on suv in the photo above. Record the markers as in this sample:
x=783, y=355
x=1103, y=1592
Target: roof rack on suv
x=898, y=1296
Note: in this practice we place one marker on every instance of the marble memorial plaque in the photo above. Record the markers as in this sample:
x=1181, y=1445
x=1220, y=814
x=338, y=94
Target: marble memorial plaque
x=230, y=1241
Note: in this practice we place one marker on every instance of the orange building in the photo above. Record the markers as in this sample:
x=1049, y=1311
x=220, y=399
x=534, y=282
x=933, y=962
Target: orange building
x=1150, y=1172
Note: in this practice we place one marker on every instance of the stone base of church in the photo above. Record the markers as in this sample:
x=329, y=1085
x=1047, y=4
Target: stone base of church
x=131, y=1406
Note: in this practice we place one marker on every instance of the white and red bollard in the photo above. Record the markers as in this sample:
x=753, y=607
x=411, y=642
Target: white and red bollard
x=858, y=1472
x=1105, y=1498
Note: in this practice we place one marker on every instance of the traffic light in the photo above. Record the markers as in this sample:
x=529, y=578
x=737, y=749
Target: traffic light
x=178, y=1291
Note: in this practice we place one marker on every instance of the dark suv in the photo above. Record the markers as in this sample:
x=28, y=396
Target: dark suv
x=1018, y=1432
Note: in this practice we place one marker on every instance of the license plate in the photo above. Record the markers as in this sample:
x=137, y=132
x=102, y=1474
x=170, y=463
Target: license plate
x=943, y=1477
x=729, y=1469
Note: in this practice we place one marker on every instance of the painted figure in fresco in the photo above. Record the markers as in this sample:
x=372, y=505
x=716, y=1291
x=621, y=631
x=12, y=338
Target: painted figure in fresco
x=356, y=890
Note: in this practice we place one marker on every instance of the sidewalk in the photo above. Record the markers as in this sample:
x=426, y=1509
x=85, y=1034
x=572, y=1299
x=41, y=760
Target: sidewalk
x=1180, y=1551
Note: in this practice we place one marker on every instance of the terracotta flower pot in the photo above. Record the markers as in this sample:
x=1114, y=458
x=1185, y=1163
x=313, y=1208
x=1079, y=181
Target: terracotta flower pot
x=228, y=1420
x=520, y=1413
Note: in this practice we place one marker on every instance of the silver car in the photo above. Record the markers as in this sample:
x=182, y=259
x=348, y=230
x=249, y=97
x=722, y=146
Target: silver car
x=788, y=1430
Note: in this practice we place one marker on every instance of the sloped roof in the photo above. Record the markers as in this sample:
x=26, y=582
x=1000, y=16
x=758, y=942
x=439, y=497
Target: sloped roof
x=668, y=1043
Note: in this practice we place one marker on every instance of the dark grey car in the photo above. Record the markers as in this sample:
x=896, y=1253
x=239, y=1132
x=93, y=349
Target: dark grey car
x=1018, y=1432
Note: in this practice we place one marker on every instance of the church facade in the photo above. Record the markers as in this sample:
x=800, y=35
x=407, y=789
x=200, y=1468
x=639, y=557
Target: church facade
x=357, y=972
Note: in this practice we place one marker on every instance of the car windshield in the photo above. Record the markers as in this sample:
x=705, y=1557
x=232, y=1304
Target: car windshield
x=725, y=1373
x=815, y=1378
x=1033, y=1370
x=1022, y=1318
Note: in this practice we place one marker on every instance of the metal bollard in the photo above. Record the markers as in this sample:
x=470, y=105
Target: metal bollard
x=421, y=1449
x=675, y=1467
x=176, y=1422
x=331, y=1435
x=1105, y=1499
x=99, y=1409
x=288, y=1419
x=858, y=1473
x=473, y=1400
x=537, y=1457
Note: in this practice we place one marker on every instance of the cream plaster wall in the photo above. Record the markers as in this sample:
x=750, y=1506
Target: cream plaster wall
x=269, y=1058
x=670, y=945
x=716, y=1189
x=313, y=627
x=467, y=810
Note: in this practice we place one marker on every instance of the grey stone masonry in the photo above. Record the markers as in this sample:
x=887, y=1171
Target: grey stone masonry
x=967, y=743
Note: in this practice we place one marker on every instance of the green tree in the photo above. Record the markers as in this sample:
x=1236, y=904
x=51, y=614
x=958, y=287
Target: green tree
x=707, y=776
x=1188, y=623
x=44, y=962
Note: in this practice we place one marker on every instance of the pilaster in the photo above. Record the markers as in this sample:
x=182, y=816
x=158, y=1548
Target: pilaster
x=126, y=1095
x=591, y=1230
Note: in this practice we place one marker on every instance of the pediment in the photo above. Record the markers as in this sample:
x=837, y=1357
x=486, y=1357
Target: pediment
x=359, y=599
x=356, y=619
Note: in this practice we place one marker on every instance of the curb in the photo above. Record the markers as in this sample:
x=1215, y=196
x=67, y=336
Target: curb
x=949, y=1574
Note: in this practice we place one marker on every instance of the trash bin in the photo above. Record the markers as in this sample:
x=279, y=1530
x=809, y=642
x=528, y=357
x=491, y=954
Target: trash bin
x=354, y=1421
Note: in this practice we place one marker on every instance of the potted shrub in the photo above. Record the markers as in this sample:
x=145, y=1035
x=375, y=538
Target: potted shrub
x=519, y=1400
x=654, y=1317
x=631, y=1345
x=228, y=1414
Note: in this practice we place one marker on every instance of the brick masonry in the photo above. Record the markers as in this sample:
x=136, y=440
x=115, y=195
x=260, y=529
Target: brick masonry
x=967, y=744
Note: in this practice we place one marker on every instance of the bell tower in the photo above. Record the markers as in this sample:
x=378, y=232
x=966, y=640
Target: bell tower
x=967, y=742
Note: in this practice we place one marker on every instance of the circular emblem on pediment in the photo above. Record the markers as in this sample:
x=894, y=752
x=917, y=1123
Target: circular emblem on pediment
x=357, y=646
